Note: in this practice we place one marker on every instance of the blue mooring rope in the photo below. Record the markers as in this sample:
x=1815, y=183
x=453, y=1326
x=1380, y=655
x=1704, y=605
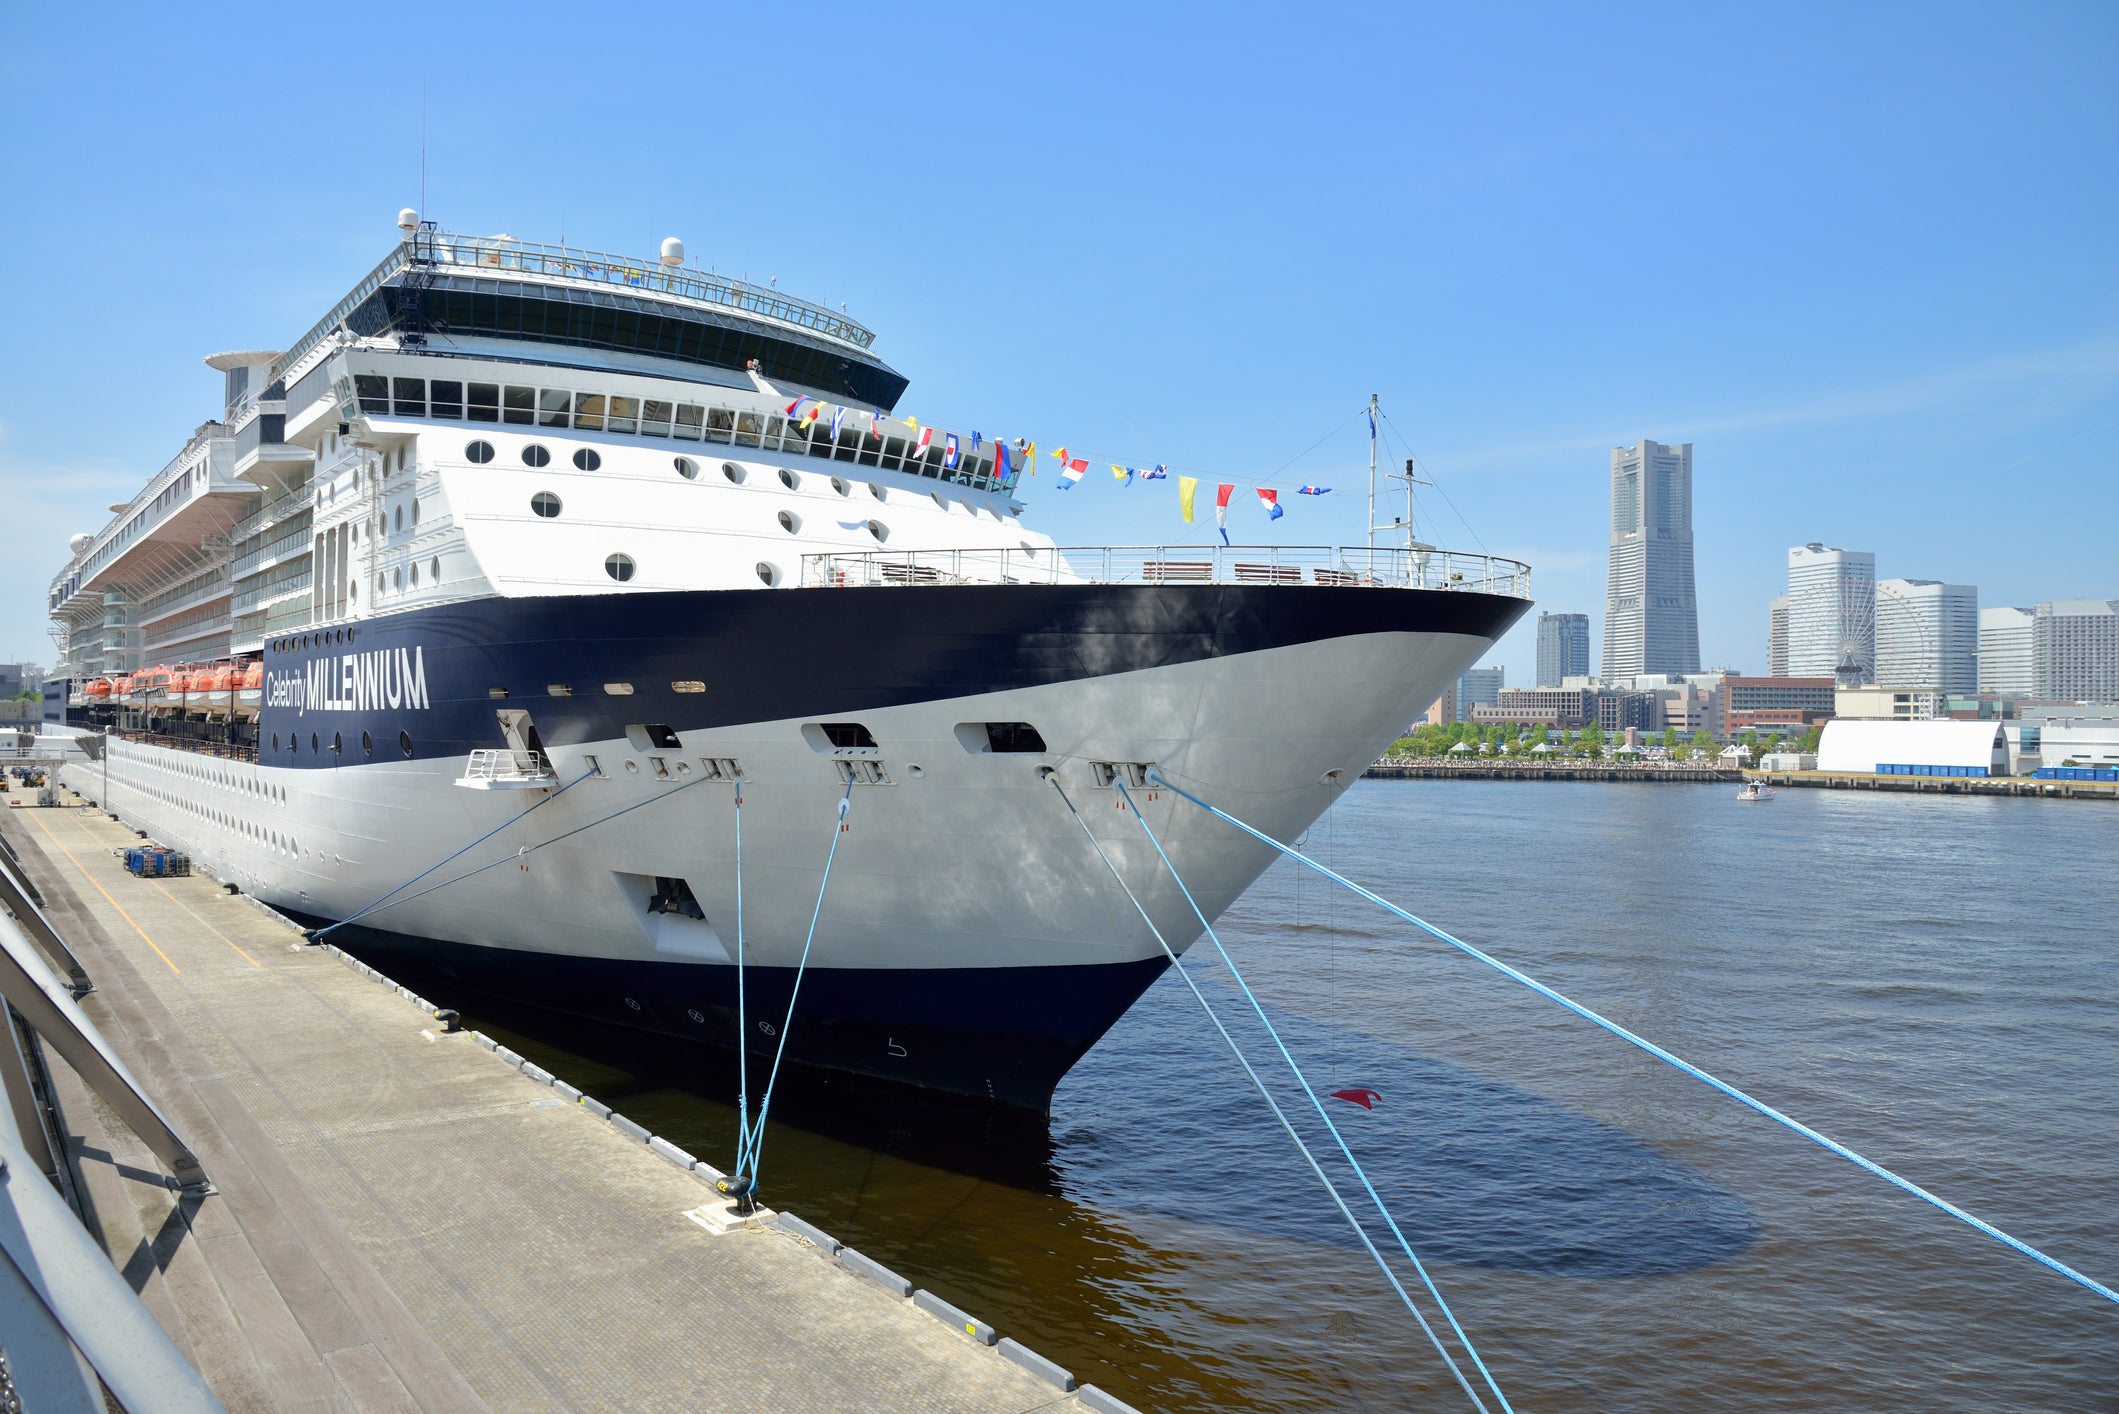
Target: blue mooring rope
x=1274, y=1105
x=1316, y=1103
x=742, y=1026
x=765, y=1101
x=1658, y=1052
x=370, y=908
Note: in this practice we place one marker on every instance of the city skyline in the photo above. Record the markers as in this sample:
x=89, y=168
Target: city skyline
x=1651, y=607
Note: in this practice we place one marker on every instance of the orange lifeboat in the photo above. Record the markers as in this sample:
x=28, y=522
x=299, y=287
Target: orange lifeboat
x=99, y=690
x=217, y=686
x=153, y=685
x=123, y=690
x=250, y=690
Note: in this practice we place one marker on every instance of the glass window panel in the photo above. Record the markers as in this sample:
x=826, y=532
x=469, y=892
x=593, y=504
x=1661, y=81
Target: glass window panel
x=447, y=398
x=485, y=402
x=720, y=424
x=553, y=407
x=623, y=414
x=374, y=392
x=409, y=396
x=894, y=452
x=748, y=426
x=521, y=405
x=848, y=444
x=654, y=419
x=588, y=411
x=775, y=426
x=691, y=421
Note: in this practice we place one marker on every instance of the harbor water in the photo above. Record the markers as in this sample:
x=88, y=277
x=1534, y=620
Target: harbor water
x=1931, y=980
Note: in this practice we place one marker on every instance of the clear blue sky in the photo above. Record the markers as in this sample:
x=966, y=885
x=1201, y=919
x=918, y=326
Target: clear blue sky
x=1863, y=257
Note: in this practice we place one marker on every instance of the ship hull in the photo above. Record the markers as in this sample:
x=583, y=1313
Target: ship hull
x=969, y=939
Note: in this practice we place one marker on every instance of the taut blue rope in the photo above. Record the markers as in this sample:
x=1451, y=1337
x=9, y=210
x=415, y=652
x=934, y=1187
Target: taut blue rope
x=742, y=1031
x=1659, y=1053
x=765, y=1102
x=370, y=908
x=1271, y=1103
x=1318, y=1104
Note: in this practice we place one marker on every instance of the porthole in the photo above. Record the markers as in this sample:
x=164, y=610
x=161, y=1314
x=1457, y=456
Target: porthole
x=434, y=569
x=338, y=746
x=618, y=689
x=415, y=511
x=397, y=577
x=619, y=567
x=367, y=744
x=404, y=744
x=879, y=530
x=587, y=459
x=536, y=455
x=734, y=473
x=789, y=479
x=275, y=741
x=790, y=522
x=312, y=744
x=546, y=504
x=479, y=452
x=400, y=518
x=415, y=576
x=768, y=573
x=686, y=467
x=838, y=484
x=876, y=490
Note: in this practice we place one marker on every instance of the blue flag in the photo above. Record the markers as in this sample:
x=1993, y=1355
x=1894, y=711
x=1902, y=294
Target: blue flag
x=949, y=451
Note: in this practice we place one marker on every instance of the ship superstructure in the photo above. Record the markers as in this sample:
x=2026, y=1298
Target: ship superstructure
x=517, y=522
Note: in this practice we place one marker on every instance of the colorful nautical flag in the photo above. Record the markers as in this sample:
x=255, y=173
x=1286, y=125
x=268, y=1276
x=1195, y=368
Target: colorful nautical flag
x=1158, y=472
x=1029, y=456
x=796, y=405
x=1372, y=423
x=926, y=436
x=1269, y=499
x=1222, y=493
x=1000, y=460
x=809, y=419
x=875, y=424
x=1060, y=456
x=1314, y=491
x=976, y=441
x=1123, y=475
x=949, y=451
x=1071, y=473
x=838, y=415
x=1187, y=488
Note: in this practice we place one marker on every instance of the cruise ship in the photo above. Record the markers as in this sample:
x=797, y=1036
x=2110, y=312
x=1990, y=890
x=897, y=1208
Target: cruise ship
x=549, y=554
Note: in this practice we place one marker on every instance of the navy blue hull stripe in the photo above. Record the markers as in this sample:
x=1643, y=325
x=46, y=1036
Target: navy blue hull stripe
x=770, y=655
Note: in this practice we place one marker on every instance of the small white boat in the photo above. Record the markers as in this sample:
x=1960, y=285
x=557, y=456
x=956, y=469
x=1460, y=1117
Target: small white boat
x=1752, y=790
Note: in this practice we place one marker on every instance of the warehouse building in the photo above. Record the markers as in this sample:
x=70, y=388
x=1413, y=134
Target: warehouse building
x=1910, y=748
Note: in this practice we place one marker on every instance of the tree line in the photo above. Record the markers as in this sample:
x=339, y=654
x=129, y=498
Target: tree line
x=1590, y=743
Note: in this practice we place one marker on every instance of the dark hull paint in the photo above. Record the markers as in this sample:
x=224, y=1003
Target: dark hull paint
x=1002, y=1035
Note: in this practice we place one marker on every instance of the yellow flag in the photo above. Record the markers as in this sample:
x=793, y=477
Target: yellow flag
x=1118, y=473
x=1186, y=487
x=1030, y=459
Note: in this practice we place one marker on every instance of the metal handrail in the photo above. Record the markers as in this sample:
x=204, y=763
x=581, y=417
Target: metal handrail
x=1314, y=565
x=488, y=763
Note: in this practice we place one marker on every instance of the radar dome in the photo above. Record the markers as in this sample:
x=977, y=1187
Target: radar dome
x=672, y=251
x=408, y=220
x=80, y=542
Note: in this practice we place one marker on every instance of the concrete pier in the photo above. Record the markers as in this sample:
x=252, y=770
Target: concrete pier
x=405, y=1221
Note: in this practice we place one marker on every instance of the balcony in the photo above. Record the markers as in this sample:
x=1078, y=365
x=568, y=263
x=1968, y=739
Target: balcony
x=1290, y=565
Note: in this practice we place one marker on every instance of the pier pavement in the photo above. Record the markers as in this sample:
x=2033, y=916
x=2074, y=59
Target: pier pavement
x=404, y=1221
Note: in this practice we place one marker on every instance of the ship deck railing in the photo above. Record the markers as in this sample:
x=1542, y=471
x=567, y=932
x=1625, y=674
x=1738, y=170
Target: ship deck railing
x=503, y=768
x=1313, y=565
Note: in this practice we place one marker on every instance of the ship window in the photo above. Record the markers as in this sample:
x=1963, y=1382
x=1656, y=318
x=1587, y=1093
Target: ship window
x=545, y=504
x=623, y=414
x=651, y=736
x=553, y=405
x=618, y=689
x=688, y=685
x=479, y=452
x=536, y=455
x=410, y=396
x=338, y=745
x=367, y=744
x=733, y=472
x=654, y=419
x=691, y=421
x=588, y=411
x=838, y=484
x=312, y=743
x=749, y=426
x=374, y=391
x=1013, y=738
x=686, y=467
x=404, y=744
x=520, y=405
x=877, y=492
x=485, y=402
x=400, y=517
x=415, y=510
x=558, y=689
x=789, y=479
x=768, y=573
x=434, y=569
x=720, y=424
x=415, y=576
x=619, y=567
x=790, y=522
x=446, y=398
x=847, y=736
x=587, y=459
x=397, y=577
x=275, y=741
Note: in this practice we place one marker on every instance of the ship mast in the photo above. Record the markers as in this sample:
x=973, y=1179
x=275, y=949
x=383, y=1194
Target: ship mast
x=1372, y=474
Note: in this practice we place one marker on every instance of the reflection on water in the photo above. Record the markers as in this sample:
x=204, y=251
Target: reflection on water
x=1613, y=1235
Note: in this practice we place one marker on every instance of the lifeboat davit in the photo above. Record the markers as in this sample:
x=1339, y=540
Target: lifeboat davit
x=250, y=691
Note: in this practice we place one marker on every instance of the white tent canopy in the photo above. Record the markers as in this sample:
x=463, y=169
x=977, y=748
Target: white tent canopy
x=1862, y=746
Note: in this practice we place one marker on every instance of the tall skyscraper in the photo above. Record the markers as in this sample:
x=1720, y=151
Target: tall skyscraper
x=2005, y=651
x=1563, y=648
x=1777, y=638
x=1832, y=614
x=2075, y=651
x=1651, y=617
x=1927, y=636
x=1479, y=687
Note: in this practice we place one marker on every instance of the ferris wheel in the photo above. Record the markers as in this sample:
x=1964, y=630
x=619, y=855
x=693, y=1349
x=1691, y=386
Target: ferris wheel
x=1846, y=617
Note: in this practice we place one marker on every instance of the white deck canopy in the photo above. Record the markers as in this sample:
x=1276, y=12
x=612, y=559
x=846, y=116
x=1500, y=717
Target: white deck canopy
x=1864, y=746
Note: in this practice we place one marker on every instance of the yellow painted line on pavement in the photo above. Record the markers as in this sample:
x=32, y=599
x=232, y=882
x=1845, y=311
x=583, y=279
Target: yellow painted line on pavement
x=103, y=891
x=206, y=925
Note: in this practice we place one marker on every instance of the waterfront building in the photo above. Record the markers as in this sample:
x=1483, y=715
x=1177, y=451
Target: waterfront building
x=1927, y=635
x=2075, y=650
x=1914, y=748
x=1569, y=709
x=2005, y=651
x=1651, y=616
x=1885, y=704
x=1831, y=613
x=2085, y=736
x=1563, y=647
x=1777, y=638
x=1479, y=687
x=1443, y=710
x=1778, y=704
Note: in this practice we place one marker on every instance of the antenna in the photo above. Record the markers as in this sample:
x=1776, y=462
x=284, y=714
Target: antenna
x=422, y=148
